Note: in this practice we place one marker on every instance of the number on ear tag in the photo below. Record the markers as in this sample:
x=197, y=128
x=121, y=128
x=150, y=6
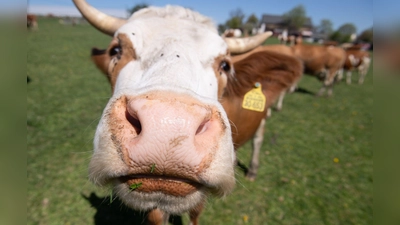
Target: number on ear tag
x=254, y=99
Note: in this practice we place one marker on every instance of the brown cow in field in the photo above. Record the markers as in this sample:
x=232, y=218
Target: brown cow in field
x=323, y=62
x=164, y=140
x=31, y=21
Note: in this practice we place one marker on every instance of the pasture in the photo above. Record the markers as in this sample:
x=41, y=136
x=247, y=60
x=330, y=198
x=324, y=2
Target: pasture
x=316, y=163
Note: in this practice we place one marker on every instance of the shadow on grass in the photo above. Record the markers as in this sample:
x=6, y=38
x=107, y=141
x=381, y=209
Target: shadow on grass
x=242, y=167
x=117, y=213
x=304, y=91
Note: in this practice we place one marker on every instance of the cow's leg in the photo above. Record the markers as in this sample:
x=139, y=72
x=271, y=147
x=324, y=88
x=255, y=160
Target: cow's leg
x=330, y=90
x=323, y=75
x=330, y=80
x=363, y=70
x=157, y=217
x=293, y=88
x=257, y=142
x=362, y=74
x=326, y=86
x=194, y=214
x=269, y=112
x=280, y=100
x=348, y=77
x=339, y=75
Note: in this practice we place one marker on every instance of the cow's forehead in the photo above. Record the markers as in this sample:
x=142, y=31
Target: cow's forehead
x=154, y=36
x=175, y=12
x=181, y=47
x=173, y=27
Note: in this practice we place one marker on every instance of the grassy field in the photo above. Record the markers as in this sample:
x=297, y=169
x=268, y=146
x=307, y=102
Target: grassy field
x=299, y=180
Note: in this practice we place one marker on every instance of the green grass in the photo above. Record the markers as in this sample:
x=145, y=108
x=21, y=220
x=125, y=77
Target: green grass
x=298, y=181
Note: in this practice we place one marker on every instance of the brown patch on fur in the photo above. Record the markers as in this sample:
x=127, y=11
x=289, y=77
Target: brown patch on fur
x=101, y=59
x=128, y=54
x=220, y=74
x=275, y=72
x=111, y=66
x=358, y=55
x=195, y=212
x=155, y=217
x=117, y=122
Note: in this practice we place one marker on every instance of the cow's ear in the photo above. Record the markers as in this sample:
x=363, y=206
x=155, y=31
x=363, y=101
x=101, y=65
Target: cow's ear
x=101, y=59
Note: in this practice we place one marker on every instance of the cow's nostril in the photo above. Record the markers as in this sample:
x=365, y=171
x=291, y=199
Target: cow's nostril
x=134, y=121
x=203, y=127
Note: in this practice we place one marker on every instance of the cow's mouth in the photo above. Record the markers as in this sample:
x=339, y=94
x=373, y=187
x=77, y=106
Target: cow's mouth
x=174, y=186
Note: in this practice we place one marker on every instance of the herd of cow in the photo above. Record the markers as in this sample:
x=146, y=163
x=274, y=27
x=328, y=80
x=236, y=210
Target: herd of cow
x=185, y=99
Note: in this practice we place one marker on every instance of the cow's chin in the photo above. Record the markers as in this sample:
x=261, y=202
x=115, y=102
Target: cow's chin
x=171, y=195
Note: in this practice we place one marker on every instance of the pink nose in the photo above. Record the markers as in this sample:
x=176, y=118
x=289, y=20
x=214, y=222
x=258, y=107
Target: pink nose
x=174, y=134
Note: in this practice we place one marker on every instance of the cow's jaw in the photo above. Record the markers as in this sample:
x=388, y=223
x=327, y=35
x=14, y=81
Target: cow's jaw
x=164, y=140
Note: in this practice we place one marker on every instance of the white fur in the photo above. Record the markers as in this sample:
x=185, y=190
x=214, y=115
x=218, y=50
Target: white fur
x=175, y=52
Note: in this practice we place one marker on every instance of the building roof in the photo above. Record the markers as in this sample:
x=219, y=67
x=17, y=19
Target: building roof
x=278, y=19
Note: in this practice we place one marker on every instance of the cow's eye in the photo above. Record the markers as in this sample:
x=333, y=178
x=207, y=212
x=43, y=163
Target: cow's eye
x=116, y=50
x=225, y=66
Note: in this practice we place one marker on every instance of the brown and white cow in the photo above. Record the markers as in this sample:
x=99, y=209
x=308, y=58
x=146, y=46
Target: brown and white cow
x=323, y=62
x=164, y=141
x=356, y=60
x=232, y=33
x=31, y=22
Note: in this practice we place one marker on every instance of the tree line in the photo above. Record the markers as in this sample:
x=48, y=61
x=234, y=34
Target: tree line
x=292, y=20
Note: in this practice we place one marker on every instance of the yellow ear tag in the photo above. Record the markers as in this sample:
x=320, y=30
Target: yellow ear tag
x=254, y=99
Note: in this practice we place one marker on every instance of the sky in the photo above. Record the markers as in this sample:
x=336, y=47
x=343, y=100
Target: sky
x=339, y=12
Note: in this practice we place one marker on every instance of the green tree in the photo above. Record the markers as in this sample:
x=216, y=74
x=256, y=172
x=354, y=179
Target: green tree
x=325, y=27
x=137, y=8
x=295, y=18
x=366, y=36
x=339, y=37
x=250, y=24
x=236, y=19
x=252, y=19
x=347, y=29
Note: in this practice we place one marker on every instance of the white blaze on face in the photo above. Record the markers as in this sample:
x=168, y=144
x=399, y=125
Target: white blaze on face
x=172, y=53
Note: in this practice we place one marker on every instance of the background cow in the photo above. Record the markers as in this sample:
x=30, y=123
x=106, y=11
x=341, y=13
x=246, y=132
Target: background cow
x=356, y=60
x=31, y=22
x=323, y=62
x=232, y=33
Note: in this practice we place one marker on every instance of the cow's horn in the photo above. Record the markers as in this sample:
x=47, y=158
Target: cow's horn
x=103, y=22
x=242, y=45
